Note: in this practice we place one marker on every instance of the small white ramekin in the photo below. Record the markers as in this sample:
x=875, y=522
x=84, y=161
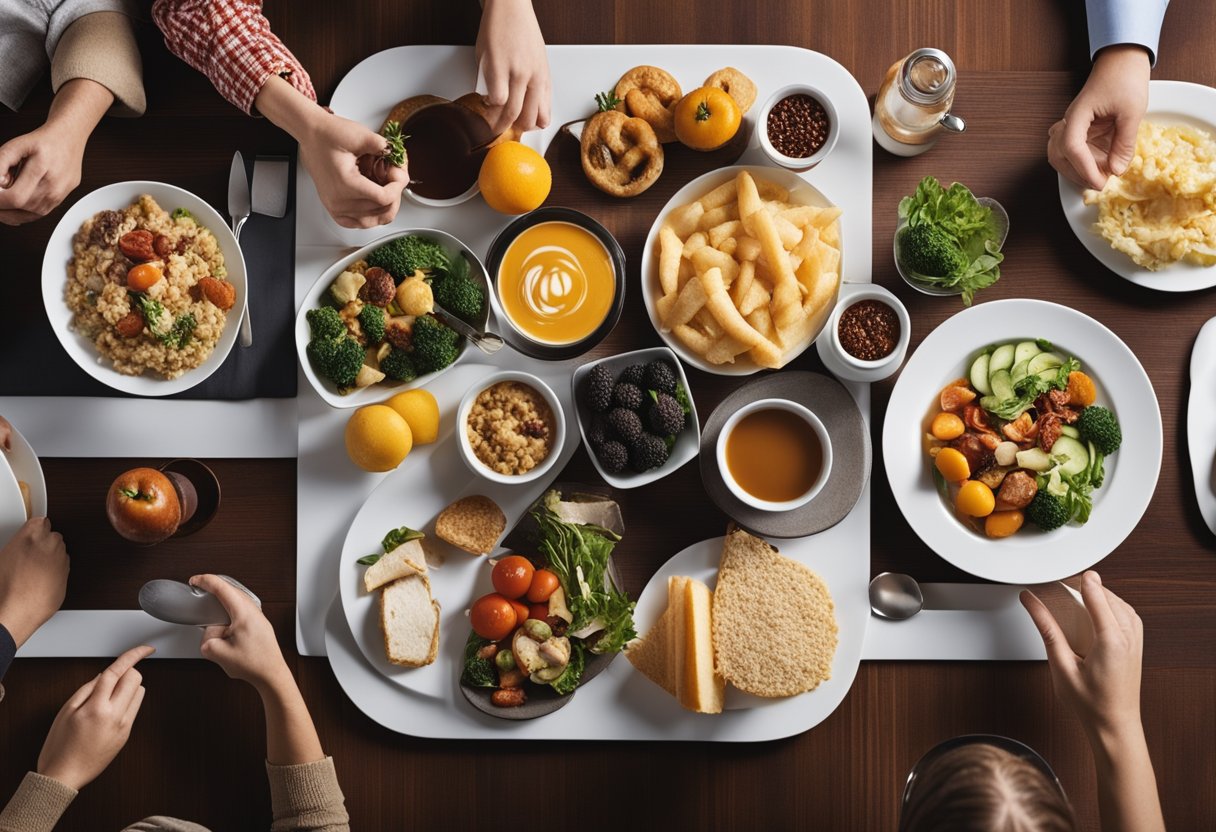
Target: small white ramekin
x=849, y=367
x=559, y=428
x=794, y=162
x=812, y=422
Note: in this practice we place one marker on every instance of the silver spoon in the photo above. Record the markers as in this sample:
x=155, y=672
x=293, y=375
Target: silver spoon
x=180, y=603
x=487, y=342
x=895, y=596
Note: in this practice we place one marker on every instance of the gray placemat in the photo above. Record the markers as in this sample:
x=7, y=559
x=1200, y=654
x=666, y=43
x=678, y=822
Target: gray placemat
x=851, y=456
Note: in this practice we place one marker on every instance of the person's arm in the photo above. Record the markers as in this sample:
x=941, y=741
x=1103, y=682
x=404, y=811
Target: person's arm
x=1103, y=690
x=33, y=581
x=1114, y=22
x=304, y=790
x=101, y=47
x=511, y=54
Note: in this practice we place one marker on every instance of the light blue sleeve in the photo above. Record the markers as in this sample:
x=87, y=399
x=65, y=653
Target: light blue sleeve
x=1125, y=21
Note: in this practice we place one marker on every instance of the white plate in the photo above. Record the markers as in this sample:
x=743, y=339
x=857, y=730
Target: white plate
x=1031, y=556
x=12, y=507
x=1169, y=102
x=117, y=197
x=801, y=192
x=1201, y=423
x=325, y=388
x=432, y=477
x=26, y=468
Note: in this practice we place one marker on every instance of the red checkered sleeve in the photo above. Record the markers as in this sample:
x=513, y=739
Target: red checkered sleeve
x=230, y=42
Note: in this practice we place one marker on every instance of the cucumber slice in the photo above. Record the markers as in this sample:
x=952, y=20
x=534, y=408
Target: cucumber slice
x=1020, y=371
x=1002, y=385
x=1025, y=351
x=1002, y=359
x=1044, y=361
x=1049, y=374
x=1070, y=454
x=990, y=403
x=1035, y=459
x=1069, y=430
x=979, y=374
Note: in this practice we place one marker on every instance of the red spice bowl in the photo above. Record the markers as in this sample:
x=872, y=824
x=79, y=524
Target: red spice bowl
x=867, y=336
x=797, y=127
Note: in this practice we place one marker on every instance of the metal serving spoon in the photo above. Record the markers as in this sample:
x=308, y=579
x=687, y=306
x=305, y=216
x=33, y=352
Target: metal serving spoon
x=895, y=596
x=180, y=603
x=487, y=342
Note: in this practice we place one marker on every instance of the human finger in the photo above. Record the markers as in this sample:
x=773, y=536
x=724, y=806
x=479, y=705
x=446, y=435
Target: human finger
x=11, y=154
x=17, y=216
x=370, y=143
x=1122, y=144
x=545, y=103
x=111, y=675
x=128, y=718
x=498, y=87
x=82, y=694
x=529, y=113
x=1059, y=652
x=1094, y=595
x=124, y=691
x=24, y=192
x=1075, y=145
x=510, y=112
x=234, y=601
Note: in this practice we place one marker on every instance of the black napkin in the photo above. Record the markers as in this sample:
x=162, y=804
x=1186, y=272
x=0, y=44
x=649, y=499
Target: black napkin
x=32, y=362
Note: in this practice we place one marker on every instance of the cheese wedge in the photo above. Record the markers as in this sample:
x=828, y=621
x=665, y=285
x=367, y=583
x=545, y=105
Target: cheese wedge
x=698, y=687
x=407, y=559
x=410, y=620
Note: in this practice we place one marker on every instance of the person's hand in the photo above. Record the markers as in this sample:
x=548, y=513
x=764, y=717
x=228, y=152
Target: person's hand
x=33, y=578
x=246, y=648
x=511, y=54
x=6, y=434
x=1103, y=688
x=1097, y=136
x=93, y=726
x=37, y=170
x=342, y=157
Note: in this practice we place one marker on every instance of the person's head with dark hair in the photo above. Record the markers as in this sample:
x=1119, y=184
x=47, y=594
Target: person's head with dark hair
x=979, y=787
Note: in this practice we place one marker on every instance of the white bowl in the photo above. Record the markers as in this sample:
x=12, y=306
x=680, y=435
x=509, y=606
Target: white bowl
x=797, y=163
x=688, y=442
x=428, y=202
x=807, y=416
x=848, y=367
x=117, y=197
x=325, y=388
x=558, y=438
x=801, y=193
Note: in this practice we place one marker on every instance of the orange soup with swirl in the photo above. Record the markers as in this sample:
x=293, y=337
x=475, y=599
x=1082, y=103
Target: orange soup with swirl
x=556, y=282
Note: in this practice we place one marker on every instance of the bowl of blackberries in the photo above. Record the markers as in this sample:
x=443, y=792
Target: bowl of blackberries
x=636, y=416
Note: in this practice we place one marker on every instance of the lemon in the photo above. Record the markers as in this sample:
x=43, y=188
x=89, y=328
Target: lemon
x=377, y=438
x=514, y=178
x=420, y=411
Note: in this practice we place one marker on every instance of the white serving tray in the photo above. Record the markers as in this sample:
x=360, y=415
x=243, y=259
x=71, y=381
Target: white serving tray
x=1200, y=423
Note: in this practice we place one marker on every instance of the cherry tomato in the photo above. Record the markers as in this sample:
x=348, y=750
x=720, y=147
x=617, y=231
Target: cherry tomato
x=521, y=612
x=141, y=277
x=492, y=617
x=538, y=611
x=544, y=584
x=512, y=576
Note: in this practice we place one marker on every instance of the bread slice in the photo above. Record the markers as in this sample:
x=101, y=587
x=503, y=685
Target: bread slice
x=410, y=619
x=471, y=523
x=698, y=687
x=407, y=559
x=649, y=654
x=774, y=623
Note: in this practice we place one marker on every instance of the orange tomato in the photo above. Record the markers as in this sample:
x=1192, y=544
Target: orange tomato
x=544, y=584
x=1003, y=523
x=538, y=611
x=142, y=277
x=975, y=499
x=707, y=118
x=492, y=617
x=946, y=426
x=512, y=576
x=952, y=465
x=521, y=612
x=1081, y=390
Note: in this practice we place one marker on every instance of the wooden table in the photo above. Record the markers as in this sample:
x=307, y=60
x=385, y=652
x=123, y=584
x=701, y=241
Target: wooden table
x=197, y=751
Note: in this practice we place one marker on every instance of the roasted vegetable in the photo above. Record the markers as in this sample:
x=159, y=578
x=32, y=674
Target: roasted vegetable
x=325, y=323
x=405, y=255
x=434, y=345
x=371, y=319
x=338, y=359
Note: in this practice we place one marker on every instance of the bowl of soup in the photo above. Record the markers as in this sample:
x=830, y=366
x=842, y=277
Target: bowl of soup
x=774, y=455
x=558, y=283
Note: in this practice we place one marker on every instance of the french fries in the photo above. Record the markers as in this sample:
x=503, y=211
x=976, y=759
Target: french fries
x=745, y=273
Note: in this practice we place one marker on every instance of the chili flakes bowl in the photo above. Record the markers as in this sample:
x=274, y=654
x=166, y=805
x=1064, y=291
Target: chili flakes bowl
x=842, y=362
x=505, y=422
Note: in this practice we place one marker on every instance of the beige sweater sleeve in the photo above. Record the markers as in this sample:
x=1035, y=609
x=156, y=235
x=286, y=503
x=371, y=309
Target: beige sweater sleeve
x=37, y=805
x=306, y=798
x=101, y=47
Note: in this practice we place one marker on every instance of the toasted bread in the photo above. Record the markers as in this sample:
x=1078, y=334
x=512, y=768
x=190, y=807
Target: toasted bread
x=410, y=620
x=650, y=654
x=698, y=687
x=404, y=109
x=472, y=523
x=407, y=559
x=774, y=623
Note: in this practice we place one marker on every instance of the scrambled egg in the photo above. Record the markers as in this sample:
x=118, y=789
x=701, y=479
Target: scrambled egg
x=1163, y=208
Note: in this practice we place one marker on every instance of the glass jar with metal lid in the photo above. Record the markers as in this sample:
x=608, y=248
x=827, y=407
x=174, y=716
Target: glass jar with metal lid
x=912, y=108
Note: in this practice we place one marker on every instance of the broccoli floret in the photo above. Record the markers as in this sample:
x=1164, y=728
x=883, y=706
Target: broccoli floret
x=402, y=256
x=1098, y=425
x=435, y=345
x=478, y=672
x=325, y=323
x=182, y=213
x=399, y=365
x=371, y=318
x=461, y=296
x=1047, y=511
x=928, y=250
x=338, y=359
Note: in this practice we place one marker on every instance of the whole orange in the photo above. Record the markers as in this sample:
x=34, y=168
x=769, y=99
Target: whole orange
x=514, y=178
x=707, y=118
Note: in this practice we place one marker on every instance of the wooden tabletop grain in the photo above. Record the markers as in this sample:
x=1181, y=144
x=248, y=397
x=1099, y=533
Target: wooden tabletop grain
x=197, y=750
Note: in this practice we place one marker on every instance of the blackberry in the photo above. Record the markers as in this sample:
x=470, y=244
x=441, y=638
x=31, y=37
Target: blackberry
x=612, y=456
x=597, y=432
x=665, y=417
x=626, y=425
x=627, y=395
x=660, y=377
x=649, y=452
x=633, y=374
x=599, y=388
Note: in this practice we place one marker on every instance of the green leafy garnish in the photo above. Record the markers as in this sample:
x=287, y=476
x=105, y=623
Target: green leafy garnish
x=181, y=213
x=479, y=672
x=606, y=101
x=135, y=494
x=391, y=541
x=1026, y=390
x=573, y=674
x=368, y=560
x=178, y=334
x=395, y=152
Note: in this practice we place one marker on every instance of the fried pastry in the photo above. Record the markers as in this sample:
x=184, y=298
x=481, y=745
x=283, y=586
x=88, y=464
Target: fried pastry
x=735, y=84
x=650, y=93
x=621, y=155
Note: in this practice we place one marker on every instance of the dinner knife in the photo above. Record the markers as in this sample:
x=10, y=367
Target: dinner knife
x=238, y=209
x=487, y=342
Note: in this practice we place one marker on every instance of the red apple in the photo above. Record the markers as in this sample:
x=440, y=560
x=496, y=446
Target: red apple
x=143, y=507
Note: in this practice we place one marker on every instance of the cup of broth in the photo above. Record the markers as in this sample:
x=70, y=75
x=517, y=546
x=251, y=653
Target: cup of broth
x=774, y=454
